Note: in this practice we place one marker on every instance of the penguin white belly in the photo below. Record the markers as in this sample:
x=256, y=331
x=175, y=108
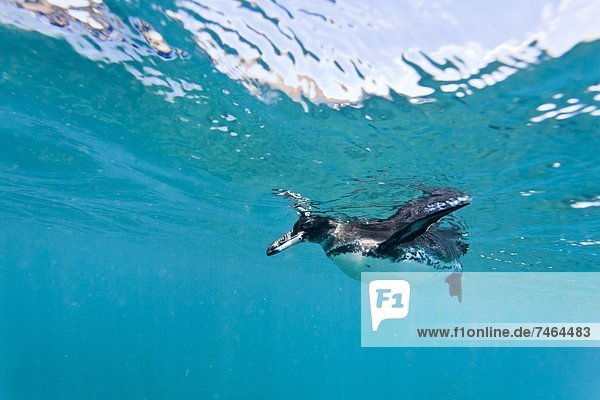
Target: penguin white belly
x=353, y=264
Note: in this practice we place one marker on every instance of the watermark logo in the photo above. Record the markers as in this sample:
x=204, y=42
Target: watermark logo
x=389, y=299
x=427, y=316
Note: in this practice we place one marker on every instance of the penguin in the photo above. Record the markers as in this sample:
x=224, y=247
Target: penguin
x=408, y=241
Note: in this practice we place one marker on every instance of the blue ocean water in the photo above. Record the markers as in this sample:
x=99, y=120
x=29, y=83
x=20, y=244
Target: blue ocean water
x=136, y=206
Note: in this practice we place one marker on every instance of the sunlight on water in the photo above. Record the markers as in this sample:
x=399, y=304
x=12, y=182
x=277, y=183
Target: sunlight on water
x=342, y=53
x=337, y=53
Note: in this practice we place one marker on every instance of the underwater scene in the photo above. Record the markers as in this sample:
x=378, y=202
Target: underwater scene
x=157, y=158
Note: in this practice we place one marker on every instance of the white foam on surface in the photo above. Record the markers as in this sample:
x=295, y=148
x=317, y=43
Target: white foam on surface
x=342, y=52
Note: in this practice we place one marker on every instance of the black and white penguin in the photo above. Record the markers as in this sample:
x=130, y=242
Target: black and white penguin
x=407, y=241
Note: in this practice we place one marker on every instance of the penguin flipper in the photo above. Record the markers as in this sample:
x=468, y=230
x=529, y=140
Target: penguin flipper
x=419, y=226
x=454, y=281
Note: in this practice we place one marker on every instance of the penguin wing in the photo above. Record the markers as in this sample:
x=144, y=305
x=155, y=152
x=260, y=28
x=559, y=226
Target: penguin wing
x=422, y=206
x=422, y=218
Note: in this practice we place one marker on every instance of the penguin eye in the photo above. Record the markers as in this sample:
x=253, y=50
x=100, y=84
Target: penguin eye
x=307, y=225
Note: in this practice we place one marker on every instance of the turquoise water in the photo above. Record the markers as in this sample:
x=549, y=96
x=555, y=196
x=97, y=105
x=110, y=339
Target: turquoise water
x=133, y=236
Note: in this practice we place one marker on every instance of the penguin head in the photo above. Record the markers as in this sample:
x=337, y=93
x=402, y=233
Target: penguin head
x=307, y=228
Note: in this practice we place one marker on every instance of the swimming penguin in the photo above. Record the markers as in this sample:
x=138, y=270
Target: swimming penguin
x=407, y=241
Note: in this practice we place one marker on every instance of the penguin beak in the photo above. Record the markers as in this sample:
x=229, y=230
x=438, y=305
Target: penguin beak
x=287, y=240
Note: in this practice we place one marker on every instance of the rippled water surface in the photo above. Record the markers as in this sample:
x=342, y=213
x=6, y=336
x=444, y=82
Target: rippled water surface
x=140, y=144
